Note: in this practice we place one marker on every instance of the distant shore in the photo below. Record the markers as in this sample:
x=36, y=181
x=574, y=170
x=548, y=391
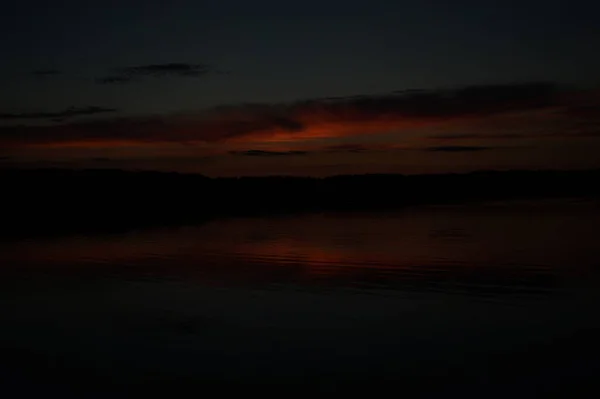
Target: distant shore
x=59, y=201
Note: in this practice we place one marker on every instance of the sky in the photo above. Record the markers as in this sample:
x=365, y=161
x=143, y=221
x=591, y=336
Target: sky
x=232, y=87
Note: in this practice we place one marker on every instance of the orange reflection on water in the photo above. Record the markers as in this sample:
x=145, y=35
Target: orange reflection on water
x=470, y=245
x=315, y=260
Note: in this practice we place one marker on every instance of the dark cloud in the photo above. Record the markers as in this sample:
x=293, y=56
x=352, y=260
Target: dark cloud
x=584, y=111
x=354, y=148
x=467, y=101
x=342, y=148
x=114, y=80
x=457, y=136
x=262, y=153
x=342, y=98
x=470, y=136
x=307, y=119
x=408, y=91
x=58, y=116
x=46, y=72
x=591, y=134
x=457, y=148
x=177, y=69
x=148, y=129
x=287, y=123
x=393, y=109
x=128, y=74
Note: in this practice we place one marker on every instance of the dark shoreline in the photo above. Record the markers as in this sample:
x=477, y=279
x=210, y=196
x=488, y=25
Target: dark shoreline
x=50, y=202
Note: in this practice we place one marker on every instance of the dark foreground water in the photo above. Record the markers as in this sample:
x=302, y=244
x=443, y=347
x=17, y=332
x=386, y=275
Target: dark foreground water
x=495, y=300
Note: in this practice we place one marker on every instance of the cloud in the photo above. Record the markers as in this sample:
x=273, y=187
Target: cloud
x=591, y=111
x=457, y=148
x=114, y=80
x=128, y=74
x=177, y=69
x=316, y=123
x=327, y=149
x=261, y=153
x=590, y=134
x=455, y=136
x=469, y=136
x=109, y=132
x=468, y=101
x=369, y=114
x=352, y=148
x=58, y=115
x=46, y=72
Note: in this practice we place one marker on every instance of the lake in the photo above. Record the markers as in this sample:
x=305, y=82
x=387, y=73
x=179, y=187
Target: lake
x=496, y=299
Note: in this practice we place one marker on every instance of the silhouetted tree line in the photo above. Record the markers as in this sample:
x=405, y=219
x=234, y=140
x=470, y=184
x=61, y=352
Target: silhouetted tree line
x=57, y=200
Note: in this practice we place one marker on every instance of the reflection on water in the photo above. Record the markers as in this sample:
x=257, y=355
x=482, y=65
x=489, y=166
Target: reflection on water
x=477, y=250
x=422, y=292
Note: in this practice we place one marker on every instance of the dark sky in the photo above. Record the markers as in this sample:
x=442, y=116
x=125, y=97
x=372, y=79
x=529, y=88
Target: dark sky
x=167, y=85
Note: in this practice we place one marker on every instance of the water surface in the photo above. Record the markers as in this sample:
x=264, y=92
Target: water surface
x=494, y=299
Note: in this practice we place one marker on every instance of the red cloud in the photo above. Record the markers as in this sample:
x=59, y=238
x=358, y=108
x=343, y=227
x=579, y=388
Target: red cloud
x=296, y=122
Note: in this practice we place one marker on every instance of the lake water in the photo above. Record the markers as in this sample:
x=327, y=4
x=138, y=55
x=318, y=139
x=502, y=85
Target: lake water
x=497, y=299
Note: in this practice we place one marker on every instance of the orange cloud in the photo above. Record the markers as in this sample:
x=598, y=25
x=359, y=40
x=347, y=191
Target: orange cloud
x=304, y=120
